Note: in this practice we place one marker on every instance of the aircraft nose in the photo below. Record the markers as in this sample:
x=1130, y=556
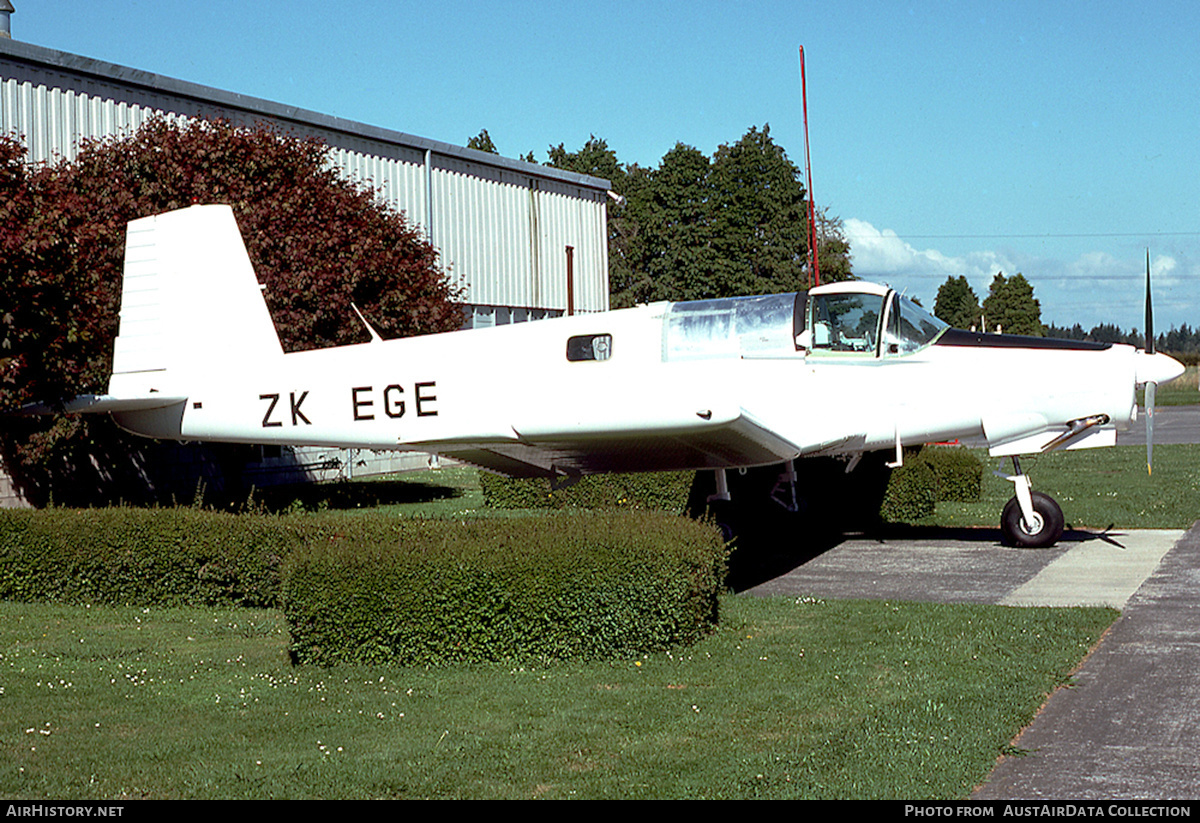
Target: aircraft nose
x=1156, y=368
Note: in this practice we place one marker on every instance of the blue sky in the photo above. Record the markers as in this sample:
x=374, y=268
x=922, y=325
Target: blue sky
x=1059, y=140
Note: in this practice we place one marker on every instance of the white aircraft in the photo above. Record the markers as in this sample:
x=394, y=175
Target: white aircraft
x=846, y=369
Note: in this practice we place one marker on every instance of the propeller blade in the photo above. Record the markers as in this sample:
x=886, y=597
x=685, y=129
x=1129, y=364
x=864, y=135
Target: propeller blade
x=1151, y=389
x=1152, y=369
x=1149, y=310
x=1151, y=386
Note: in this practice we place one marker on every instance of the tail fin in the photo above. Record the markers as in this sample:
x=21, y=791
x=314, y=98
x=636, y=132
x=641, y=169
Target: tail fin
x=190, y=301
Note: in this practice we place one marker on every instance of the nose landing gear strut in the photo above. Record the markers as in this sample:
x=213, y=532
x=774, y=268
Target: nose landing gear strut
x=1031, y=520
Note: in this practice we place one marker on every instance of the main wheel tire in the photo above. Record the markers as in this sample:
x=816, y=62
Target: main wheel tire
x=1046, y=529
x=725, y=518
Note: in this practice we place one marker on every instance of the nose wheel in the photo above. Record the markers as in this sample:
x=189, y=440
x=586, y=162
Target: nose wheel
x=1040, y=530
x=1031, y=520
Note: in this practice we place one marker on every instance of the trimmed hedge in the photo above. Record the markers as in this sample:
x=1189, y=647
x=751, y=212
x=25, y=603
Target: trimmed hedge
x=957, y=473
x=584, y=586
x=911, y=493
x=654, y=491
x=935, y=473
x=374, y=589
x=144, y=557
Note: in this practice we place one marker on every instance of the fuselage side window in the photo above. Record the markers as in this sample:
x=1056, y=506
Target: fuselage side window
x=589, y=347
x=727, y=327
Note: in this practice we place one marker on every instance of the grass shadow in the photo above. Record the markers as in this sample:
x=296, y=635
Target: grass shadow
x=348, y=495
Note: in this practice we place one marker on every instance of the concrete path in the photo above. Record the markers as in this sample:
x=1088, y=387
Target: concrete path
x=971, y=566
x=1128, y=727
x=1096, y=572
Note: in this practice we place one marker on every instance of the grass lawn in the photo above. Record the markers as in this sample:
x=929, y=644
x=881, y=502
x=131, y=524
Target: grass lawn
x=451, y=491
x=789, y=699
x=1096, y=488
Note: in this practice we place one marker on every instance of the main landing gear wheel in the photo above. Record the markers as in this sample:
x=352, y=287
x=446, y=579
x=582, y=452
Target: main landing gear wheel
x=1046, y=528
x=724, y=518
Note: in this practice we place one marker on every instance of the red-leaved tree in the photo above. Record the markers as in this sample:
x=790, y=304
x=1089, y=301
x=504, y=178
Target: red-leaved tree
x=317, y=241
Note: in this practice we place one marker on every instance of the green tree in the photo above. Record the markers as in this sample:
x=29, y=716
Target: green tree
x=833, y=249
x=627, y=279
x=1111, y=333
x=594, y=158
x=482, y=142
x=957, y=304
x=760, y=220
x=671, y=217
x=696, y=227
x=1011, y=307
x=1075, y=332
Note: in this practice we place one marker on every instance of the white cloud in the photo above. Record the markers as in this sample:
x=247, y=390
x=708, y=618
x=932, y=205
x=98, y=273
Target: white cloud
x=1160, y=271
x=880, y=254
x=1093, y=287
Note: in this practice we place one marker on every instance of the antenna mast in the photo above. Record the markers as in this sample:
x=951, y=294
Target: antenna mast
x=812, y=212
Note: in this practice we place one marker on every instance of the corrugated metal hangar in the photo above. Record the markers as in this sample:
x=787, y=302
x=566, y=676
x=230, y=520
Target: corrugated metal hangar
x=502, y=226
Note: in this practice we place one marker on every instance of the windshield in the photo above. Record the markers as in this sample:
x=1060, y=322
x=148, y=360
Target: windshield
x=911, y=327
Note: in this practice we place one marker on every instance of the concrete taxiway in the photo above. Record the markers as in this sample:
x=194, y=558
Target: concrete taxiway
x=1172, y=425
x=1127, y=729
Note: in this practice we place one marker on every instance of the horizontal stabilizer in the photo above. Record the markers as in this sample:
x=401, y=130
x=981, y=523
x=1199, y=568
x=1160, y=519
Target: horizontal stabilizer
x=103, y=404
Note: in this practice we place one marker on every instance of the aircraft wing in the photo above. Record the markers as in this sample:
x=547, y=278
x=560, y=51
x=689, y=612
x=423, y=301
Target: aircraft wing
x=541, y=448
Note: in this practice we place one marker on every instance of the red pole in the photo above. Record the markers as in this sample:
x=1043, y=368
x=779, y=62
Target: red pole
x=570, y=281
x=812, y=212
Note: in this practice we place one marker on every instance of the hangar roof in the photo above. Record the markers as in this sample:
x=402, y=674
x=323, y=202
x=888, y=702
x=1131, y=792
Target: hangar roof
x=14, y=53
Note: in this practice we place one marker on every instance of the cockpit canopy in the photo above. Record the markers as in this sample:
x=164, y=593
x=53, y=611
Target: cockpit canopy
x=867, y=319
x=734, y=326
x=852, y=318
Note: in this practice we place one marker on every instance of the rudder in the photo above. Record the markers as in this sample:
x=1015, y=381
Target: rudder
x=189, y=300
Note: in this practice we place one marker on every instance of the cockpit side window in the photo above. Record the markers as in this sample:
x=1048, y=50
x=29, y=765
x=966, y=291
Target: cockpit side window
x=846, y=322
x=910, y=327
x=799, y=315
